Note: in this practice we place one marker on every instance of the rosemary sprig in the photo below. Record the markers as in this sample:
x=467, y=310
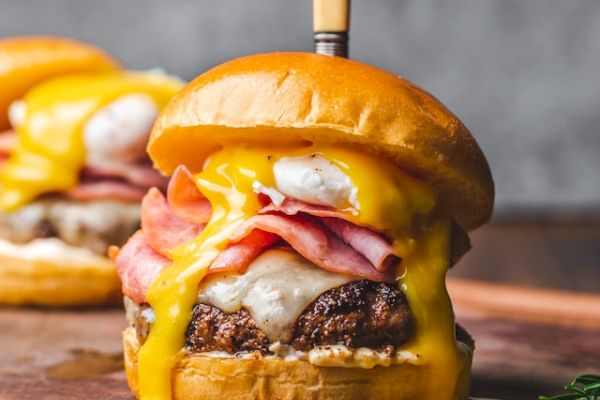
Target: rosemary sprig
x=584, y=387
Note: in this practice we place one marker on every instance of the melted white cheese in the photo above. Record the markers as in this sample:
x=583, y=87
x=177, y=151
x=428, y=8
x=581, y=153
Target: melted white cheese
x=316, y=180
x=275, y=290
x=119, y=131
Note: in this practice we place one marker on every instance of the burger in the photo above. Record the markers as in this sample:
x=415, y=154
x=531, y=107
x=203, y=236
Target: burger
x=314, y=207
x=28, y=60
x=74, y=168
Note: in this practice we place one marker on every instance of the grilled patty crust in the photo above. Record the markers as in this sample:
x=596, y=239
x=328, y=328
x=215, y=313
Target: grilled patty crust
x=213, y=330
x=357, y=314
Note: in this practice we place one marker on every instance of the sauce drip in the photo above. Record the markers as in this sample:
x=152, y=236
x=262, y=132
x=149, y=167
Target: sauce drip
x=50, y=151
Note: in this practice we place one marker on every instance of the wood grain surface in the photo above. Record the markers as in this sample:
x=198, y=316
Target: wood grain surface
x=522, y=351
x=559, y=251
x=528, y=341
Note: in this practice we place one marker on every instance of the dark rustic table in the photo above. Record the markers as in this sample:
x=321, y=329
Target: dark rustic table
x=560, y=251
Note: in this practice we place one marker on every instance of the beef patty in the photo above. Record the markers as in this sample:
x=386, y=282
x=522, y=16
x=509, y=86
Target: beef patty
x=93, y=225
x=357, y=314
x=213, y=330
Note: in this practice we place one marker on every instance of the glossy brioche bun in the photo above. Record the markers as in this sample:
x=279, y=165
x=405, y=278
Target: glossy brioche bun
x=204, y=378
x=305, y=97
x=63, y=277
x=28, y=60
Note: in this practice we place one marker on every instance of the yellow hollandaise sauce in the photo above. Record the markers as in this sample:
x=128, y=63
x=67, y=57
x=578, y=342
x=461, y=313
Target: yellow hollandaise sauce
x=50, y=151
x=423, y=282
x=388, y=199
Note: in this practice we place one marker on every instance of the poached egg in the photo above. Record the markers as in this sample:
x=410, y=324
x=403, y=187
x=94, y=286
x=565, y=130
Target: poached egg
x=313, y=179
x=117, y=132
x=120, y=130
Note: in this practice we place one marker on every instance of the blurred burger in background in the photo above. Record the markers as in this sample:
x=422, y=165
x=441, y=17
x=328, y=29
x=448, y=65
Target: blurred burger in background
x=74, y=167
x=28, y=60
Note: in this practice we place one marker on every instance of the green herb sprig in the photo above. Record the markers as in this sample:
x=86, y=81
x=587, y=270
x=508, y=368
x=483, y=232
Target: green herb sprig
x=584, y=387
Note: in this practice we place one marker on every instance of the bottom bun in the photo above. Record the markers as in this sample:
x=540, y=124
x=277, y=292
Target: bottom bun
x=203, y=378
x=48, y=272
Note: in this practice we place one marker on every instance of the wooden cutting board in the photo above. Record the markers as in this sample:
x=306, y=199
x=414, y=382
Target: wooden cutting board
x=529, y=342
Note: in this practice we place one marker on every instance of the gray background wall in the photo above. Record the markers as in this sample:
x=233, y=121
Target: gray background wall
x=523, y=75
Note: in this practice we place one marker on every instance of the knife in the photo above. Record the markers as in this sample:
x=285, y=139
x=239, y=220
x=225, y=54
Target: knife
x=331, y=22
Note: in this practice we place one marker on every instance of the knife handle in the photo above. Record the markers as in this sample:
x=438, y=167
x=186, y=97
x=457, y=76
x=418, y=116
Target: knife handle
x=331, y=23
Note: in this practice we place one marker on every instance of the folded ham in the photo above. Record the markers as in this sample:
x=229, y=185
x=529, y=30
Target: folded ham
x=316, y=243
x=140, y=175
x=116, y=181
x=292, y=207
x=185, y=199
x=317, y=233
x=237, y=256
x=103, y=190
x=162, y=229
x=382, y=255
x=371, y=244
x=138, y=265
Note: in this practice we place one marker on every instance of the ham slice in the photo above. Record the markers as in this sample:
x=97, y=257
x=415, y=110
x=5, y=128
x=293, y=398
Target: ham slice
x=138, y=265
x=143, y=257
x=316, y=243
x=185, y=199
x=116, y=181
x=343, y=247
x=238, y=256
x=293, y=207
x=163, y=230
x=110, y=190
x=371, y=244
x=140, y=175
x=321, y=237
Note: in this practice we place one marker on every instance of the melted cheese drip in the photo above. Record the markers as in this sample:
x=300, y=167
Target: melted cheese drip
x=389, y=200
x=50, y=152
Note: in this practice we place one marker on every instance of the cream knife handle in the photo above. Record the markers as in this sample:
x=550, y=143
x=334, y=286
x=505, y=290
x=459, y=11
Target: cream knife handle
x=331, y=23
